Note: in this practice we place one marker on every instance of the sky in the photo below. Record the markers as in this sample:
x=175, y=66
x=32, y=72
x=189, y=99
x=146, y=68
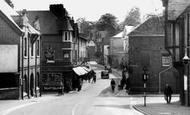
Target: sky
x=92, y=10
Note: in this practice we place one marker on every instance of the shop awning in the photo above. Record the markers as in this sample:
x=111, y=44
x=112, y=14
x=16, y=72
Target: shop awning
x=80, y=71
x=86, y=69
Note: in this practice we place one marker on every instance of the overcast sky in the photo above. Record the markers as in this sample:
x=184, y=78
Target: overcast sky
x=93, y=9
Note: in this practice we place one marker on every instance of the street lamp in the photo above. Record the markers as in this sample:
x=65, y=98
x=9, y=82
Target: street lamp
x=186, y=60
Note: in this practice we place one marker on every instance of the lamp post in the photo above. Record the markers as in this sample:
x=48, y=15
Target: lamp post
x=186, y=60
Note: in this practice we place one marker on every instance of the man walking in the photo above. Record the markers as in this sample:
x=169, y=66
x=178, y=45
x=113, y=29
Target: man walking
x=113, y=85
x=168, y=93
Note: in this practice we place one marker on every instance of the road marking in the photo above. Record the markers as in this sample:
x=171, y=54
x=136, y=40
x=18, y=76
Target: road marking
x=15, y=108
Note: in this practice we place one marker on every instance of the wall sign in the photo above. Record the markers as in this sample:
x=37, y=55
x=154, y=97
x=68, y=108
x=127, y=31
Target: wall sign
x=166, y=61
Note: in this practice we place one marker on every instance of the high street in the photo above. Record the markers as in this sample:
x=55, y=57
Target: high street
x=89, y=101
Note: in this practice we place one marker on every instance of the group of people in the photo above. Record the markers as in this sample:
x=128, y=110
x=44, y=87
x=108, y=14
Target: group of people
x=124, y=82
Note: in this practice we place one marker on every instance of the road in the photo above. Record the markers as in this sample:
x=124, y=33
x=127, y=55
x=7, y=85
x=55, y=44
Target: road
x=86, y=102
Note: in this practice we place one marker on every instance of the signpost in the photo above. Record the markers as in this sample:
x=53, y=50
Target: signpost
x=145, y=78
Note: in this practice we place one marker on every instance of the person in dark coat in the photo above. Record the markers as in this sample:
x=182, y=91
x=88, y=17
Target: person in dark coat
x=168, y=93
x=61, y=89
x=113, y=85
x=93, y=73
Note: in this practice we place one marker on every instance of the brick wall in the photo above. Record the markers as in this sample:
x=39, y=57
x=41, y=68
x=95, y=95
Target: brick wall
x=146, y=51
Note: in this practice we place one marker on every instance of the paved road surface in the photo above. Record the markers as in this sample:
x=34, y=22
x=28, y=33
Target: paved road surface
x=85, y=102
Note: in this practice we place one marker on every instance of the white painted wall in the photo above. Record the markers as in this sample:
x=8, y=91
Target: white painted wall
x=8, y=58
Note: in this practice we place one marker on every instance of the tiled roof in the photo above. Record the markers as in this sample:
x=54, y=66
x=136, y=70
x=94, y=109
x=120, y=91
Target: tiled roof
x=9, y=12
x=152, y=26
x=47, y=21
x=176, y=7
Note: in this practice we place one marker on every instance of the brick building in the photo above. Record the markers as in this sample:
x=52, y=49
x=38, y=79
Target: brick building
x=147, y=50
x=177, y=39
x=60, y=46
x=20, y=55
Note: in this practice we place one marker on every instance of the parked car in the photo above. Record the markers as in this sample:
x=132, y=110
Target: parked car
x=108, y=67
x=105, y=74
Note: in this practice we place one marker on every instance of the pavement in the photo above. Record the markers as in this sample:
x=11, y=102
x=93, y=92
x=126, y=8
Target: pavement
x=158, y=106
x=155, y=103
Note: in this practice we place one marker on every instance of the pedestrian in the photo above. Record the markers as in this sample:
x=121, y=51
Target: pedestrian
x=61, y=88
x=113, y=85
x=80, y=82
x=168, y=93
x=93, y=74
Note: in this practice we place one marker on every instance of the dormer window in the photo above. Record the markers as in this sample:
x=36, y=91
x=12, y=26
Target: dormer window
x=67, y=36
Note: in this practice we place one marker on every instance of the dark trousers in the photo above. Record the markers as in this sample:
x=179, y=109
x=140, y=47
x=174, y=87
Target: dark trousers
x=113, y=88
x=168, y=98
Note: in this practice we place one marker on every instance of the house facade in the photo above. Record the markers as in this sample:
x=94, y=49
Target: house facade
x=20, y=55
x=82, y=49
x=177, y=42
x=118, y=49
x=147, y=54
x=60, y=46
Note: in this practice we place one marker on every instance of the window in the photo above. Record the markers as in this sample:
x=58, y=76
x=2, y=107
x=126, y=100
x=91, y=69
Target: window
x=32, y=49
x=66, y=55
x=38, y=47
x=67, y=36
x=25, y=47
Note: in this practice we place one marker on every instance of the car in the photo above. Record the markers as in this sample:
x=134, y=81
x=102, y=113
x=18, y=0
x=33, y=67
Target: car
x=105, y=74
x=108, y=67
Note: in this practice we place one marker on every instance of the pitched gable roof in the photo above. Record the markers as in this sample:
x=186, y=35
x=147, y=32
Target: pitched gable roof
x=152, y=26
x=176, y=7
x=47, y=21
x=8, y=13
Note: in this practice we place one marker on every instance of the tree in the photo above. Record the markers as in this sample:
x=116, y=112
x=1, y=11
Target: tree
x=108, y=22
x=10, y=3
x=133, y=17
x=85, y=27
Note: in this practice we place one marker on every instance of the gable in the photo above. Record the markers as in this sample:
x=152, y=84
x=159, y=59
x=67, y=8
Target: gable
x=6, y=23
x=8, y=33
x=176, y=7
x=152, y=26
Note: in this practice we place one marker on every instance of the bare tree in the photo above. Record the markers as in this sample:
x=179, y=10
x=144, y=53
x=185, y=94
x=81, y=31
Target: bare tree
x=133, y=18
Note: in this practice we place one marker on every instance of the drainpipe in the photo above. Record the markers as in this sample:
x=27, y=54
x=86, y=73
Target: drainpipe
x=160, y=77
x=22, y=71
x=28, y=90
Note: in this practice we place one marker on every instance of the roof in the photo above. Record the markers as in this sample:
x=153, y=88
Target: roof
x=9, y=12
x=150, y=27
x=82, y=37
x=126, y=31
x=119, y=35
x=176, y=7
x=66, y=25
x=45, y=18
